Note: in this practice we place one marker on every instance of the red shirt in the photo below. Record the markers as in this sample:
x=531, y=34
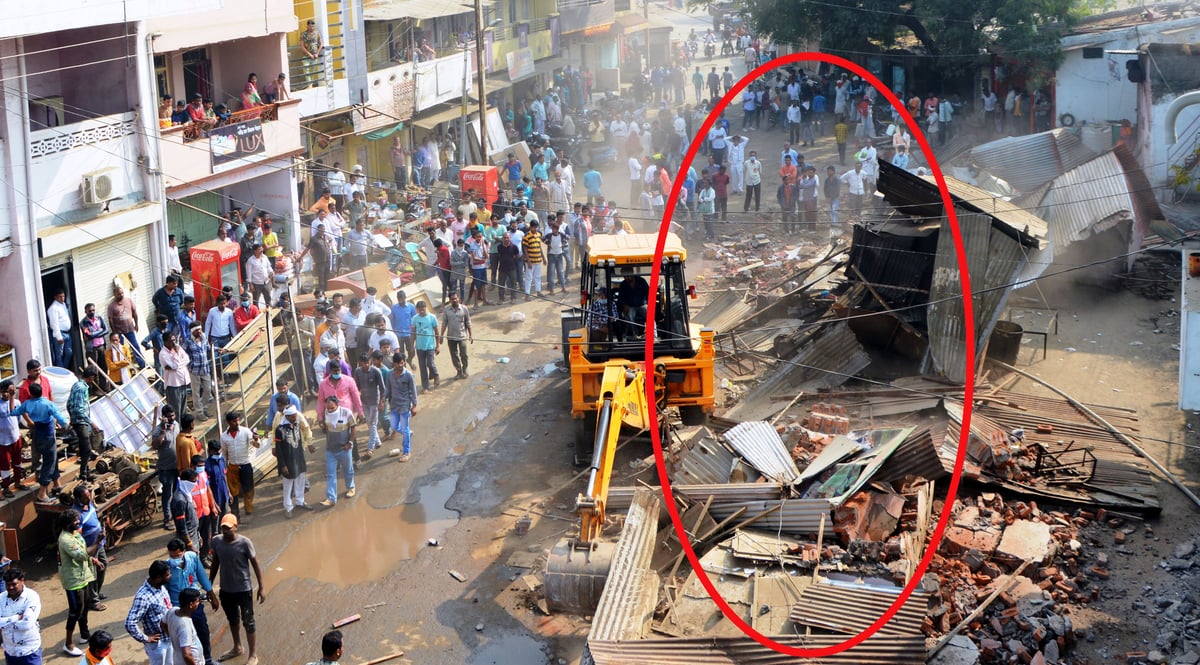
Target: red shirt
x=23, y=391
x=443, y=257
x=242, y=316
x=720, y=183
x=196, y=113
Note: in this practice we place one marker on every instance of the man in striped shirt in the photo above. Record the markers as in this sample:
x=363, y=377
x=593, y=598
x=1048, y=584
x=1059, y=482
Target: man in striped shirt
x=534, y=254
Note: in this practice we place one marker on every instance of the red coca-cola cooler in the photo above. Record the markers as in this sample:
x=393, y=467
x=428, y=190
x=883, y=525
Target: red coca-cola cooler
x=477, y=181
x=214, y=265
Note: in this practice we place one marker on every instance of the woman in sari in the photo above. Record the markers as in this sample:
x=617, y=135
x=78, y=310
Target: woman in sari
x=250, y=97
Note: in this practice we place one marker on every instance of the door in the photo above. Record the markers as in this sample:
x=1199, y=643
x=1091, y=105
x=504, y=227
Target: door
x=54, y=279
x=197, y=74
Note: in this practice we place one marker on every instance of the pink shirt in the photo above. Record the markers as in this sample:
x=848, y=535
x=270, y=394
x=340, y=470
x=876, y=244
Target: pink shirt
x=345, y=390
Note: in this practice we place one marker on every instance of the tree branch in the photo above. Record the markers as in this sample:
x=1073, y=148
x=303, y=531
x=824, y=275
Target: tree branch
x=911, y=21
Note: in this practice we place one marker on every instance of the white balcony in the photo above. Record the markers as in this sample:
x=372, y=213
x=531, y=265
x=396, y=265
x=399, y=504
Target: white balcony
x=188, y=154
x=61, y=157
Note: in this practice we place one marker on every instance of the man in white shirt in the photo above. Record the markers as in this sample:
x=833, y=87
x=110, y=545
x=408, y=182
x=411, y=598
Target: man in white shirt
x=716, y=140
x=218, y=324
x=855, y=181
x=59, y=318
x=173, y=263
x=635, y=180
x=174, y=362
x=20, y=609
x=381, y=333
x=737, y=154
x=752, y=172
x=259, y=272
x=336, y=181
x=869, y=157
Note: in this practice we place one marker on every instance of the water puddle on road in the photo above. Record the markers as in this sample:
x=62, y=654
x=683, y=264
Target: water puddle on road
x=353, y=543
x=513, y=649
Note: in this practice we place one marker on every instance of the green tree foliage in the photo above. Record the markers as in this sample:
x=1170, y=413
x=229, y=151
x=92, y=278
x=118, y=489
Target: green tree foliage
x=954, y=31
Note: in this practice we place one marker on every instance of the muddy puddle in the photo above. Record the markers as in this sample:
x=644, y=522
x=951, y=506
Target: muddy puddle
x=513, y=649
x=354, y=543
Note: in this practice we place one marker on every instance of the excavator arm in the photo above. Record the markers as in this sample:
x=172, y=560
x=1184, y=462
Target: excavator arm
x=577, y=567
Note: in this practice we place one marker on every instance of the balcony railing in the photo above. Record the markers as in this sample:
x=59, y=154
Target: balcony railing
x=187, y=154
x=197, y=130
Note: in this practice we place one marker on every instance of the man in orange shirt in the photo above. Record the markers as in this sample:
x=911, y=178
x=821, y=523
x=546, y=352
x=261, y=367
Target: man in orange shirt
x=788, y=170
x=323, y=203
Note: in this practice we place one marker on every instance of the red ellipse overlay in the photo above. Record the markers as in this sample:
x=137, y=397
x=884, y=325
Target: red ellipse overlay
x=968, y=388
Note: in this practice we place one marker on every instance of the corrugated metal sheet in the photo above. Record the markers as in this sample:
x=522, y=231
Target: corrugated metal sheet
x=850, y=609
x=703, y=460
x=760, y=444
x=1121, y=479
x=1087, y=200
x=831, y=357
x=919, y=197
x=794, y=516
x=918, y=456
x=1028, y=162
x=875, y=650
x=724, y=311
x=884, y=259
x=619, y=498
x=993, y=261
x=973, y=198
x=629, y=597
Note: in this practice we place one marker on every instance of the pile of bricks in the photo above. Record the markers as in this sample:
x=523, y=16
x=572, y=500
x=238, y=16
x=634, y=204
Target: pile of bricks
x=1030, y=621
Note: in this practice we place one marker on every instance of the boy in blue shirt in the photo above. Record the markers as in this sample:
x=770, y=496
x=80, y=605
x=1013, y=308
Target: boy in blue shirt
x=43, y=413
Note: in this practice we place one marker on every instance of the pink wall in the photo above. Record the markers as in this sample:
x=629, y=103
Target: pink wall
x=233, y=61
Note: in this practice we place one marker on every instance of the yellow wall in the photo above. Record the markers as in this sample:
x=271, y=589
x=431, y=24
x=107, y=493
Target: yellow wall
x=539, y=42
x=333, y=36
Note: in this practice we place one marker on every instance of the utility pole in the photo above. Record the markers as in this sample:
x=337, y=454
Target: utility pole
x=483, y=132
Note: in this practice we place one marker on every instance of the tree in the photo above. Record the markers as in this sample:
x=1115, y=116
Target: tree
x=954, y=32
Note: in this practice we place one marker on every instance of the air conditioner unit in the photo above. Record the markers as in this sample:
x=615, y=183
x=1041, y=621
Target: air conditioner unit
x=98, y=187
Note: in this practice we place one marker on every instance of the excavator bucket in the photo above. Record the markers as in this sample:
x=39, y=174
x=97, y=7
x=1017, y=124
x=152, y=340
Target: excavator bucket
x=575, y=577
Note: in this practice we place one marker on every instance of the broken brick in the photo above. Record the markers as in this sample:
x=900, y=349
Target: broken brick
x=1119, y=537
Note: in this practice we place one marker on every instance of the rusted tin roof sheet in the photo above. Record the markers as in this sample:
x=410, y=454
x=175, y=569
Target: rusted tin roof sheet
x=850, y=608
x=875, y=650
x=631, y=592
x=1030, y=161
x=993, y=262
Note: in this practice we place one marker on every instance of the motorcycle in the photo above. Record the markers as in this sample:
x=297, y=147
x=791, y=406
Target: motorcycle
x=710, y=49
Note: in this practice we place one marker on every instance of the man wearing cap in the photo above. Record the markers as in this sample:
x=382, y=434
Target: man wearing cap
x=233, y=559
x=289, y=456
x=238, y=446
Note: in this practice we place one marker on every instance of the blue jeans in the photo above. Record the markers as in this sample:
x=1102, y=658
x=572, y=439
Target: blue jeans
x=169, y=479
x=400, y=424
x=158, y=652
x=34, y=658
x=833, y=211
x=556, y=268
x=60, y=352
x=332, y=462
x=48, y=469
x=371, y=414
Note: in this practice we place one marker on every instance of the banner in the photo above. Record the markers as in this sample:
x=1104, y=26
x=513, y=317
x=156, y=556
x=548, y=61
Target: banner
x=233, y=142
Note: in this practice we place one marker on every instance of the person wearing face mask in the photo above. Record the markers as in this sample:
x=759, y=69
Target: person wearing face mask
x=238, y=445
x=162, y=441
x=247, y=312
x=99, y=649
x=290, y=438
x=338, y=424
x=183, y=511
x=187, y=572
x=338, y=383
